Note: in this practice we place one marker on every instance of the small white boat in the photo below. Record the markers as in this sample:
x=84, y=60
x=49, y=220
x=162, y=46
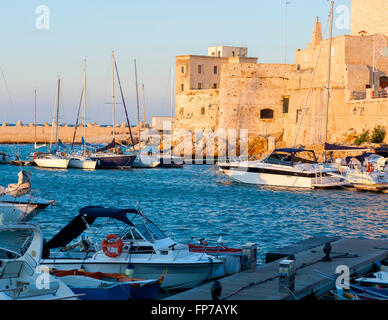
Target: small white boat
x=16, y=202
x=284, y=168
x=82, y=162
x=22, y=277
x=141, y=247
x=16, y=212
x=49, y=160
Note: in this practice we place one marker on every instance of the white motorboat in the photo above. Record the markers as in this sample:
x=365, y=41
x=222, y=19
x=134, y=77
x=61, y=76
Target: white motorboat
x=16, y=202
x=285, y=168
x=22, y=277
x=141, y=248
x=49, y=160
x=368, y=169
x=82, y=162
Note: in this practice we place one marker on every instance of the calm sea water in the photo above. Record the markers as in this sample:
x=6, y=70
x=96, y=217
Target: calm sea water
x=195, y=202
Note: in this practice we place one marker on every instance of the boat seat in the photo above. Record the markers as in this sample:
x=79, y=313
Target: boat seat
x=10, y=269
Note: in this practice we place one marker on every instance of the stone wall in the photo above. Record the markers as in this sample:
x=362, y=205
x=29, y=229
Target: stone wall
x=369, y=16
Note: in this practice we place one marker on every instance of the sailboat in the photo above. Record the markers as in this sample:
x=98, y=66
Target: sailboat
x=81, y=160
x=143, y=160
x=52, y=159
x=112, y=160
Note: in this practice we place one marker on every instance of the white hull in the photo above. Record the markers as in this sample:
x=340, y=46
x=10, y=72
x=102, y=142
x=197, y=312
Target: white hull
x=281, y=178
x=52, y=163
x=179, y=275
x=15, y=213
x=83, y=164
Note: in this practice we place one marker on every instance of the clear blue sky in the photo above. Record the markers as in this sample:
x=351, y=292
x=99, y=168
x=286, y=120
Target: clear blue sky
x=151, y=31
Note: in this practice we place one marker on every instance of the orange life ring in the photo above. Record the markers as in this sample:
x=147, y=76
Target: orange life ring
x=370, y=168
x=112, y=246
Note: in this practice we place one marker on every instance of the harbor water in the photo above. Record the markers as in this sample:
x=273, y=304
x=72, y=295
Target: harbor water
x=194, y=202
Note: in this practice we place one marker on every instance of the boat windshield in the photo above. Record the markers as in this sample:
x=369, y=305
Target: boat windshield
x=147, y=229
x=305, y=157
x=289, y=158
x=279, y=157
x=13, y=243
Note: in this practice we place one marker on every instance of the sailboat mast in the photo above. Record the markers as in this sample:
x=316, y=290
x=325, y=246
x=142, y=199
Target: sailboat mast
x=144, y=117
x=137, y=104
x=35, y=117
x=57, y=113
x=172, y=95
x=113, y=93
x=329, y=70
x=84, y=109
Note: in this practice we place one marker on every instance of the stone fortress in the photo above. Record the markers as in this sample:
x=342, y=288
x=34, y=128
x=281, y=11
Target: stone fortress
x=229, y=90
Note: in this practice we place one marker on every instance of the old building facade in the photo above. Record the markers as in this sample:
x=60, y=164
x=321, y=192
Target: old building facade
x=228, y=90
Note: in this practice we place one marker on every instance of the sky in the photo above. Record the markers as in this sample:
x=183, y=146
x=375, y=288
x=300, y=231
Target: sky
x=151, y=31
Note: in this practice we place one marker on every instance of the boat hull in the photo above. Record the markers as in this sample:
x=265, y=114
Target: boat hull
x=267, y=177
x=52, y=163
x=179, y=275
x=114, y=161
x=83, y=164
x=15, y=213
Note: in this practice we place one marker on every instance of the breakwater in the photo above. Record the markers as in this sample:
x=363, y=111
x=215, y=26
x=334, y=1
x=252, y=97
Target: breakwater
x=27, y=134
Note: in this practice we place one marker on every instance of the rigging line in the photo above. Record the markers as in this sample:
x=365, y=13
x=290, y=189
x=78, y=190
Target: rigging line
x=311, y=84
x=6, y=88
x=76, y=124
x=125, y=107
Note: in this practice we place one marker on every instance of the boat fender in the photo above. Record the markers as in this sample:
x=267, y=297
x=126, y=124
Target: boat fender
x=370, y=168
x=112, y=246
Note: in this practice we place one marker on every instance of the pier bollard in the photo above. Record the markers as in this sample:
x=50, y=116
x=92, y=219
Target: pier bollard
x=249, y=257
x=287, y=275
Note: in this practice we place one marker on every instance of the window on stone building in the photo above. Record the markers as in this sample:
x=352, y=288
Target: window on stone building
x=266, y=114
x=202, y=111
x=298, y=115
x=214, y=85
x=215, y=69
x=219, y=53
x=199, y=85
x=182, y=87
x=182, y=69
x=286, y=102
x=200, y=68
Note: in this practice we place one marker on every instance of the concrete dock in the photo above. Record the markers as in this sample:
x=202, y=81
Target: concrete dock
x=263, y=284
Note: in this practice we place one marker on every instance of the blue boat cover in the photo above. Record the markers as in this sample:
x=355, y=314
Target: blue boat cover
x=334, y=147
x=86, y=217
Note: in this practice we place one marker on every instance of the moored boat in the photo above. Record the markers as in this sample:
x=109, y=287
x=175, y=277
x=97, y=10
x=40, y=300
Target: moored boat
x=297, y=168
x=142, y=245
x=107, y=286
x=22, y=277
